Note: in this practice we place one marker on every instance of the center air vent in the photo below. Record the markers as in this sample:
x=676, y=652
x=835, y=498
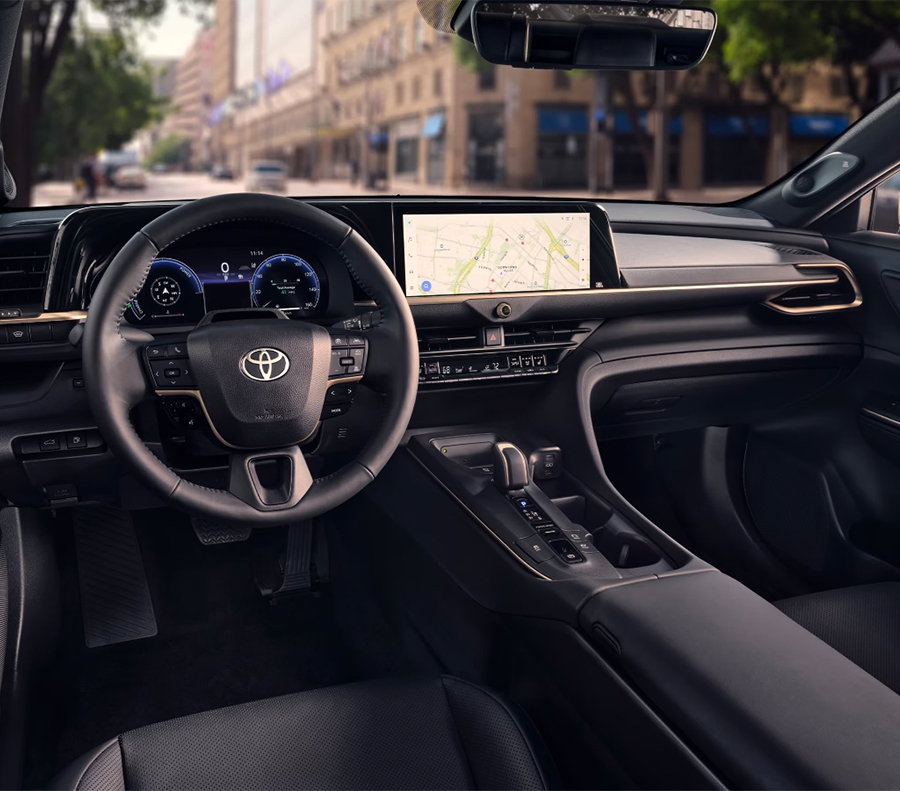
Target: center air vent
x=443, y=340
x=543, y=333
x=549, y=333
x=23, y=273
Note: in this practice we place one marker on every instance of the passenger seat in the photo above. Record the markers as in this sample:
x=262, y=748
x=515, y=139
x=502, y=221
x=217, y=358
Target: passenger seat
x=863, y=623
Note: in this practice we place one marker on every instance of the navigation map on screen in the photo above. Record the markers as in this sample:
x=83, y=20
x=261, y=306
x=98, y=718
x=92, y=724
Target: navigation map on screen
x=496, y=253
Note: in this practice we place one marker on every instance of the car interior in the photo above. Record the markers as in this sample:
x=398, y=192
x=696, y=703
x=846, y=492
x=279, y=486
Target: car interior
x=327, y=519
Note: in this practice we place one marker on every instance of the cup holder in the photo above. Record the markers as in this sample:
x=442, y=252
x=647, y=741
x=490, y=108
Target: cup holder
x=624, y=548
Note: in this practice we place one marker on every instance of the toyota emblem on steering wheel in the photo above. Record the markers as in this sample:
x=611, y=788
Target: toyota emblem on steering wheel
x=264, y=365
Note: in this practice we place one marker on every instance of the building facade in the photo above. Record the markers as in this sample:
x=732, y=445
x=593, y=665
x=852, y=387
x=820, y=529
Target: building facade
x=190, y=100
x=364, y=90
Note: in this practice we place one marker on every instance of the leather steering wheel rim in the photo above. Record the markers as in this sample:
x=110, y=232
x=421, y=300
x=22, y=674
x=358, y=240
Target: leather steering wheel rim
x=115, y=380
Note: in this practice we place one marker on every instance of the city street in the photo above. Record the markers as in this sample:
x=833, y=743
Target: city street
x=180, y=186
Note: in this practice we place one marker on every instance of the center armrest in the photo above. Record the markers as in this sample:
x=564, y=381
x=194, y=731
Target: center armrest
x=767, y=702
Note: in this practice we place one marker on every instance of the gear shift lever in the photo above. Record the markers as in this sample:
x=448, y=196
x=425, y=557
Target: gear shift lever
x=510, y=467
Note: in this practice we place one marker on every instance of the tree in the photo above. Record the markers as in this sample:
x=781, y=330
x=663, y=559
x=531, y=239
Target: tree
x=43, y=32
x=171, y=150
x=760, y=38
x=100, y=94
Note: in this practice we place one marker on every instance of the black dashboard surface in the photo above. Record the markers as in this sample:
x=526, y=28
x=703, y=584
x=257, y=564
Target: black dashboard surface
x=657, y=270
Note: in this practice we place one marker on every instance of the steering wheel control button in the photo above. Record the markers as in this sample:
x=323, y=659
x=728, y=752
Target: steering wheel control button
x=172, y=373
x=335, y=410
x=345, y=361
x=76, y=440
x=176, y=350
x=342, y=392
x=356, y=340
x=156, y=352
x=536, y=548
x=49, y=443
x=339, y=340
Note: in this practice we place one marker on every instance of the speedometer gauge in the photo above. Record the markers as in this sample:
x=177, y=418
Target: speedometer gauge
x=287, y=282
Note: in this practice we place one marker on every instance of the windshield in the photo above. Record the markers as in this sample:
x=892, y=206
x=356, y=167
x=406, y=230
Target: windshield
x=347, y=97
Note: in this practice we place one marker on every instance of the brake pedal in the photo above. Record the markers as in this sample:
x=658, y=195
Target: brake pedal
x=115, y=599
x=211, y=532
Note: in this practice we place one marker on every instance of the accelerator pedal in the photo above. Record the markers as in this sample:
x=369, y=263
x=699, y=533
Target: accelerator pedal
x=115, y=598
x=211, y=532
x=291, y=571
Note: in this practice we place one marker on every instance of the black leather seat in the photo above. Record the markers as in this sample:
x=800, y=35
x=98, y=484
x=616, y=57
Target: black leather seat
x=863, y=623
x=422, y=734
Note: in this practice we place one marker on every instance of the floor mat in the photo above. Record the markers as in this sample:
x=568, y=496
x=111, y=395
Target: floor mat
x=219, y=643
x=115, y=599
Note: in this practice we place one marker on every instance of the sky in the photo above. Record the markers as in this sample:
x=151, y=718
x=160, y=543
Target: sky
x=169, y=37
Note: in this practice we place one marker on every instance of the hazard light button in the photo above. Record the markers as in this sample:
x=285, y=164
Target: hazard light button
x=493, y=336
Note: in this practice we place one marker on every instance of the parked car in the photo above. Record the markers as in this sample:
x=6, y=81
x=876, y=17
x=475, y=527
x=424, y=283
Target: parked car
x=221, y=172
x=267, y=176
x=130, y=177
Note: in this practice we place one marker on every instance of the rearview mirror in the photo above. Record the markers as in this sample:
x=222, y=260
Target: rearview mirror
x=588, y=36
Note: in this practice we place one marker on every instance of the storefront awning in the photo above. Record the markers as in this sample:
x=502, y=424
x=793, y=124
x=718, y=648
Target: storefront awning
x=736, y=125
x=622, y=121
x=562, y=121
x=811, y=125
x=433, y=126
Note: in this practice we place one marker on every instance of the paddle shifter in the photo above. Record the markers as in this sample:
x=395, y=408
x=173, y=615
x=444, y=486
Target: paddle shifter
x=510, y=468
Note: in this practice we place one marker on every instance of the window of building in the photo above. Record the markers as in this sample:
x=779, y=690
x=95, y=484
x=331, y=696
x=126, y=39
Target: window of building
x=399, y=93
x=561, y=80
x=487, y=78
x=401, y=42
x=438, y=82
x=416, y=88
x=407, y=160
x=419, y=35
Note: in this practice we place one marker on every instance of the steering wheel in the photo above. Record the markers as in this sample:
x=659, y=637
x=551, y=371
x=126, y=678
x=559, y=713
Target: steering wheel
x=261, y=380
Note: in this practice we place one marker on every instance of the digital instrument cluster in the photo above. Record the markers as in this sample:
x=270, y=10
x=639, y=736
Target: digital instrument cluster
x=178, y=292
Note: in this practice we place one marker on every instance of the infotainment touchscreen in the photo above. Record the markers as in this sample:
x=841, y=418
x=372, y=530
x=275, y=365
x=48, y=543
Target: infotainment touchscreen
x=496, y=253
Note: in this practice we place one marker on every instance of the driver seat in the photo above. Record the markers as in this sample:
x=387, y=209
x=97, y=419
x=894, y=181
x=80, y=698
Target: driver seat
x=429, y=733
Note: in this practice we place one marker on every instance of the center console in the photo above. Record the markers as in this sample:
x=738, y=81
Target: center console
x=543, y=516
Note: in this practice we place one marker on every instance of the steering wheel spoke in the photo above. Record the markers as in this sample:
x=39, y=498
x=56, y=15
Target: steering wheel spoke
x=269, y=480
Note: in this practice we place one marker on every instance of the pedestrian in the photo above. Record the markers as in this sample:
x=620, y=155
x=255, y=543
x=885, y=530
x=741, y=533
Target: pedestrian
x=89, y=176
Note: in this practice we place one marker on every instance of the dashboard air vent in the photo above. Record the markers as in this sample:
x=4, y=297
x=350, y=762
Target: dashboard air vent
x=442, y=340
x=23, y=273
x=543, y=333
x=822, y=298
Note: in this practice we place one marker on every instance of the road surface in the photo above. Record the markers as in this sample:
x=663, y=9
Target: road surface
x=181, y=186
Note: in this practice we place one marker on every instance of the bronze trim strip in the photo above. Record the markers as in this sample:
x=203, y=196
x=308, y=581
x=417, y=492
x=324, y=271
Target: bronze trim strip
x=72, y=315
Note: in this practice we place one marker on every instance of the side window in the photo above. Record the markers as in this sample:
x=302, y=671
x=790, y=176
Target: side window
x=886, y=206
